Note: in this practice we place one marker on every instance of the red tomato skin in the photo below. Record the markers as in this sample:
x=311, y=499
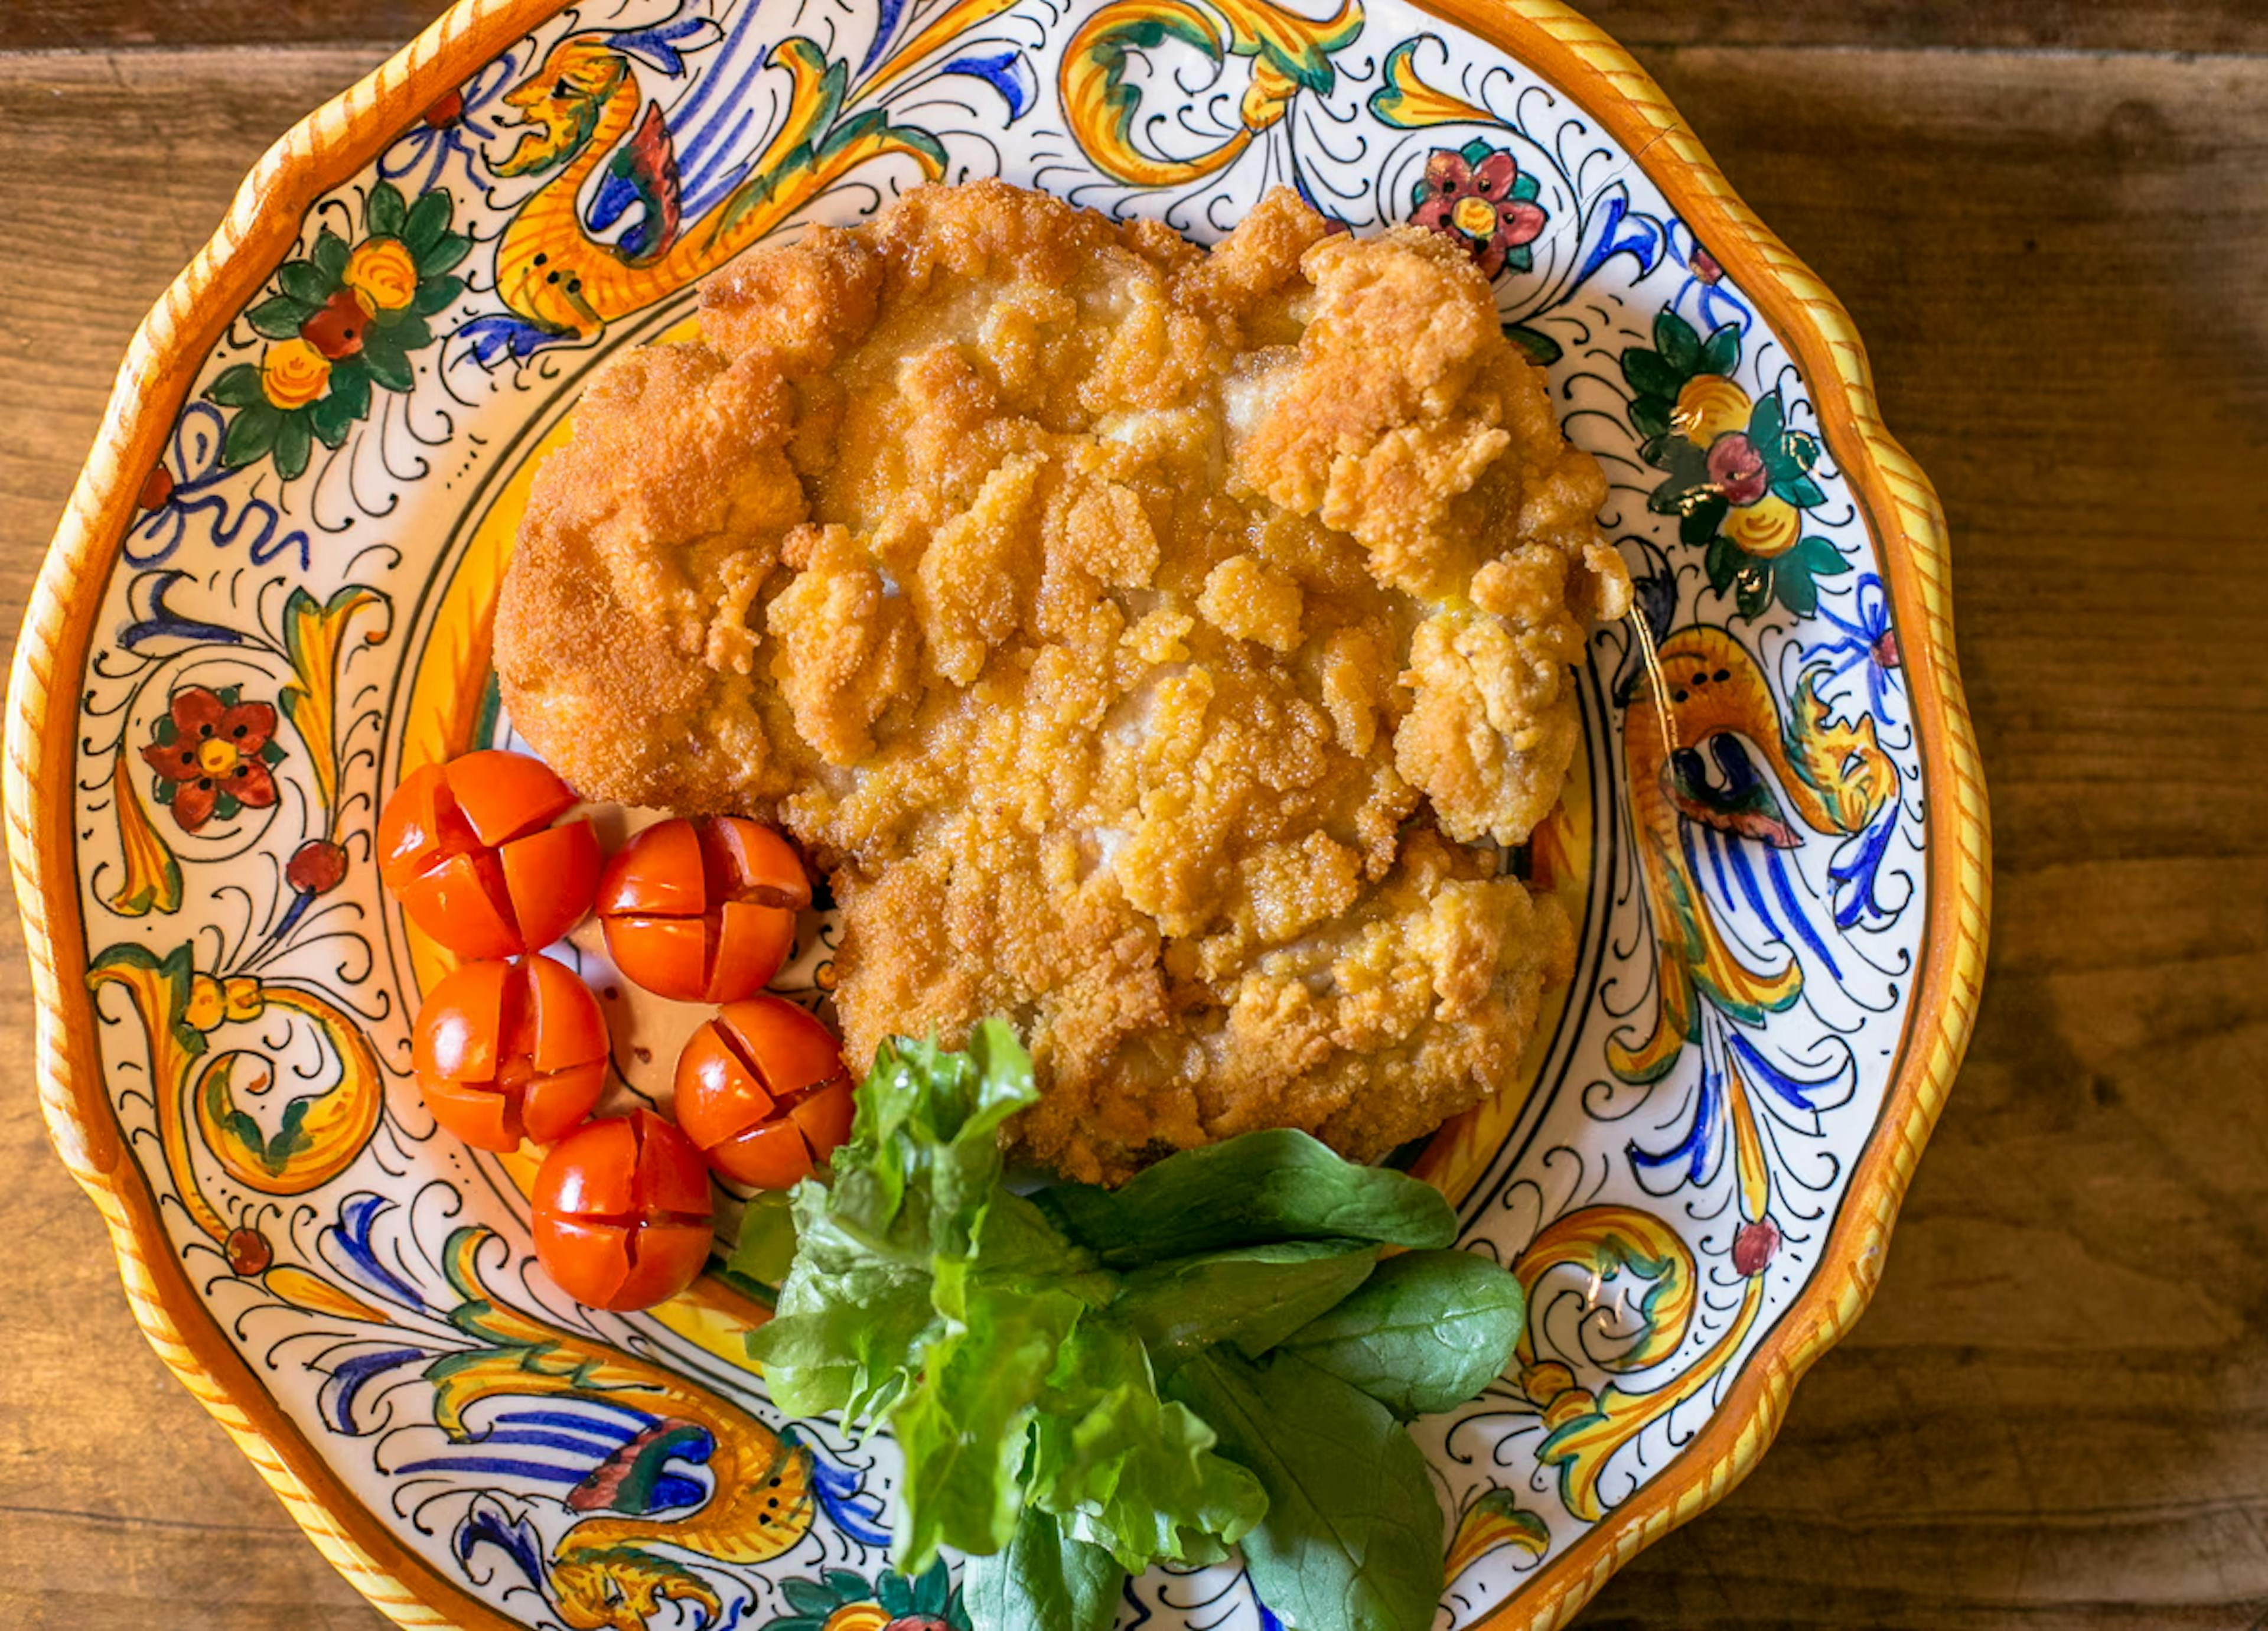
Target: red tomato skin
x=465, y=849
x=459, y=1024
x=410, y=827
x=671, y=1175
x=716, y=1094
x=621, y=1212
x=670, y=1258
x=554, y=1104
x=773, y=1156
x=664, y=954
x=550, y=876
x=592, y=1170
x=503, y=1048
x=657, y=874
x=589, y=1258
x=825, y=1116
x=752, y=944
x=483, y=1119
x=568, y=1025
x=793, y=1052
x=452, y=903
x=753, y=863
x=503, y=794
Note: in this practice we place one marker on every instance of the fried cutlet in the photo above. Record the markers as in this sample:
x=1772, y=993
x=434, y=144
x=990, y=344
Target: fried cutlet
x=1155, y=646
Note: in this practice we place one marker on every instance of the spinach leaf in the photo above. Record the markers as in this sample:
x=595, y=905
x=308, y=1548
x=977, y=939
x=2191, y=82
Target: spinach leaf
x=1044, y=1579
x=1352, y=1537
x=1425, y=1333
x=1253, y=1296
x=1250, y=1191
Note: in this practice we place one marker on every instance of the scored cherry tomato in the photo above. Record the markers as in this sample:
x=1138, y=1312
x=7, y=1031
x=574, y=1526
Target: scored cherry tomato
x=622, y=1212
x=504, y=1050
x=470, y=851
x=703, y=911
x=762, y=1089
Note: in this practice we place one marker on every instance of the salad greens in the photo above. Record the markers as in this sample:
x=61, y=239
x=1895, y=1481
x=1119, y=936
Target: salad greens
x=1086, y=1382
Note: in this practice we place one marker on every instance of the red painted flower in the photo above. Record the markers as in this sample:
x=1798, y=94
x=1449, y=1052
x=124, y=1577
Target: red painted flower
x=213, y=753
x=337, y=330
x=317, y=868
x=1755, y=1247
x=1738, y=468
x=1478, y=200
x=1703, y=265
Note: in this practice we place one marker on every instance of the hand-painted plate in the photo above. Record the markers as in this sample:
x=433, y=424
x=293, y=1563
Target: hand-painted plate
x=272, y=596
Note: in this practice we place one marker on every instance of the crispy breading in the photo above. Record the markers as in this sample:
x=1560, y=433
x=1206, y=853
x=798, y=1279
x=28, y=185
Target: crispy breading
x=1154, y=646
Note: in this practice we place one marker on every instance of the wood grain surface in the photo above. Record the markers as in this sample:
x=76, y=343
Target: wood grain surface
x=2049, y=221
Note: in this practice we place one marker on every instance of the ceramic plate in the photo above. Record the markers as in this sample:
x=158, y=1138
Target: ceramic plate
x=271, y=597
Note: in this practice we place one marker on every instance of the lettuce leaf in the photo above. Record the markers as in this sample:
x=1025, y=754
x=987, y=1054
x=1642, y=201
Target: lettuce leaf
x=1084, y=1383
x=1128, y=1471
x=924, y=1292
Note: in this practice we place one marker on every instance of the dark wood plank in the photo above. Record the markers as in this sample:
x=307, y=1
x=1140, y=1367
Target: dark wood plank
x=2058, y=24
x=1906, y=24
x=120, y=1502
x=2057, y=1414
x=97, y=25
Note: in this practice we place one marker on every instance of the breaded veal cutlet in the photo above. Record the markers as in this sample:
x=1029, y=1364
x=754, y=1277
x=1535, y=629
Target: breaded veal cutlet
x=1155, y=646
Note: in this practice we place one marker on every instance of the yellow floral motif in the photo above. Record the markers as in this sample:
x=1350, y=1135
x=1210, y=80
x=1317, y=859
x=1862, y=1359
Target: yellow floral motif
x=294, y=373
x=1408, y=103
x=1475, y=216
x=1770, y=527
x=1710, y=406
x=384, y=273
x=858, y=1617
x=153, y=874
x=323, y=1131
x=1493, y=1521
x=1289, y=53
x=213, y=1003
x=584, y=102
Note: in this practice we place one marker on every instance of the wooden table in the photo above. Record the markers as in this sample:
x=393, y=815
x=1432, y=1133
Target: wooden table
x=2050, y=218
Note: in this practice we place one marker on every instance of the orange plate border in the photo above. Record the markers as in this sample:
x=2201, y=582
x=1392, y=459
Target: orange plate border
x=347, y=133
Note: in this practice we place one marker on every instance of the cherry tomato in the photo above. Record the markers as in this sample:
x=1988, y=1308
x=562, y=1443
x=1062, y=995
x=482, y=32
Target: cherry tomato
x=622, y=1212
x=762, y=1089
x=703, y=911
x=470, y=851
x=504, y=1050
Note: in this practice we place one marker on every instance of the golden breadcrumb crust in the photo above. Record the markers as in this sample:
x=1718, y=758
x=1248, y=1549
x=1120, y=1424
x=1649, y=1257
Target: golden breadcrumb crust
x=1153, y=645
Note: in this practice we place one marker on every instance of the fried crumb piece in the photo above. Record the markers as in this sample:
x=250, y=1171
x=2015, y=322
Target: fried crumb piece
x=1151, y=643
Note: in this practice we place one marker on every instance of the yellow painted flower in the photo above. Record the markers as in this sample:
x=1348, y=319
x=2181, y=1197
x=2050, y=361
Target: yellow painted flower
x=207, y=1006
x=1770, y=527
x=858, y=1617
x=1710, y=406
x=241, y=996
x=384, y=273
x=294, y=373
x=1474, y=215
